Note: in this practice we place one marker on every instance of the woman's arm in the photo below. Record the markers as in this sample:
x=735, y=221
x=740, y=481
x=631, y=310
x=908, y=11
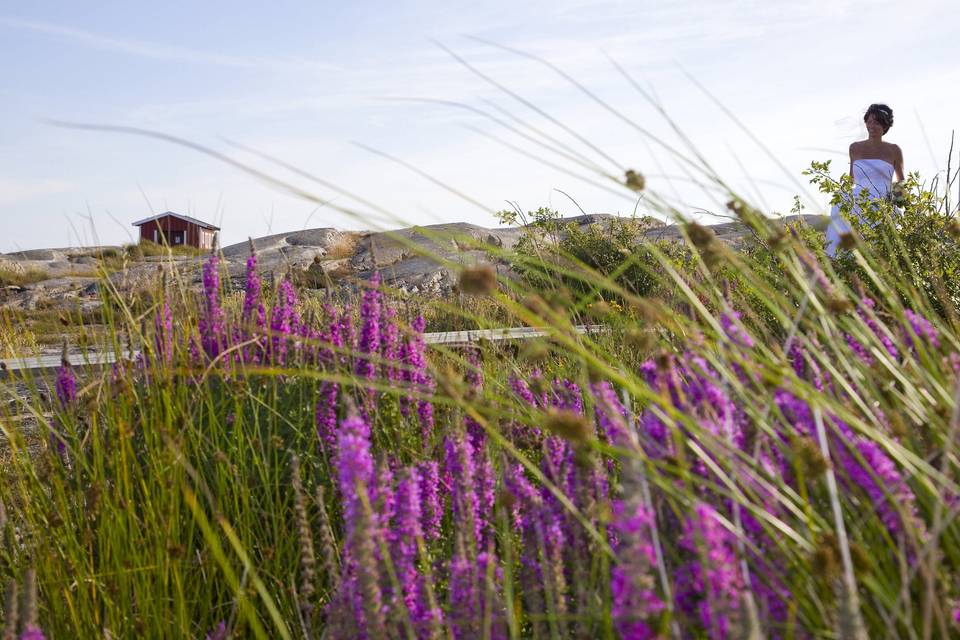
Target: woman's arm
x=852, y=145
x=898, y=162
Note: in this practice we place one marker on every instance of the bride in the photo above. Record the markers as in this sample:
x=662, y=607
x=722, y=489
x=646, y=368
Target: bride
x=873, y=163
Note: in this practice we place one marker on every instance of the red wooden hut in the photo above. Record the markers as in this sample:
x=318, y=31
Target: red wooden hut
x=175, y=229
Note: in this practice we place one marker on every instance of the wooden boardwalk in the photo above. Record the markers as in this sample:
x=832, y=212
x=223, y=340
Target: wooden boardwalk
x=31, y=364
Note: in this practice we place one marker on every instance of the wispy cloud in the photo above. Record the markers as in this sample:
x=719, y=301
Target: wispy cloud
x=157, y=51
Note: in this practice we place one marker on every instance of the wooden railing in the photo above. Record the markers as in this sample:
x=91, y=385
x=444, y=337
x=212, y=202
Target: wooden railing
x=37, y=363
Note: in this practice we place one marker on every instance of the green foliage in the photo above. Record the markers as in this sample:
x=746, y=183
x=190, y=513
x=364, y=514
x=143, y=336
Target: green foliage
x=552, y=255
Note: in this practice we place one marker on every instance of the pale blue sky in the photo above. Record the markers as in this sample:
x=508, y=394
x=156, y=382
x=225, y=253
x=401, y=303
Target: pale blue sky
x=305, y=81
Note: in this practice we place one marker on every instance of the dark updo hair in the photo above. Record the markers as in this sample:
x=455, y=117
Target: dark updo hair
x=882, y=113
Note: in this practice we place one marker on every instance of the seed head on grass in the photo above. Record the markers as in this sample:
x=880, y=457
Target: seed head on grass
x=953, y=228
x=739, y=208
x=328, y=547
x=808, y=457
x=701, y=236
x=778, y=239
x=634, y=180
x=479, y=280
x=848, y=241
x=569, y=425
x=304, y=535
x=838, y=304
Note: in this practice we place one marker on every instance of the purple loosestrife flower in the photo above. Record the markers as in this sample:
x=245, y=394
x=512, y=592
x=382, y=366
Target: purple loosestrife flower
x=474, y=381
x=524, y=432
x=163, y=336
x=416, y=376
x=922, y=328
x=66, y=385
x=212, y=324
x=522, y=390
x=541, y=533
x=347, y=331
x=611, y=416
x=952, y=362
x=253, y=310
x=194, y=350
x=359, y=591
x=709, y=586
x=734, y=329
x=868, y=303
x=370, y=329
x=880, y=479
x=389, y=343
x=403, y=536
x=567, y=396
x=355, y=464
x=383, y=498
x=807, y=368
x=32, y=632
x=877, y=475
x=486, y=494
x=823, y=283
x=327, y=415
x=695, y=390
x=469, y=592
x=862, y=353
x=330, y=331
x=460, y=465
x=463, y=597
x=526, y=499
x=220, y=632
x=308, y=345
x=485, y=476
x=528, y=514
x=557, y=465
x=404, y=376
x=635, y=601
x=432, y=511
x=654, y=433
x=284, y=320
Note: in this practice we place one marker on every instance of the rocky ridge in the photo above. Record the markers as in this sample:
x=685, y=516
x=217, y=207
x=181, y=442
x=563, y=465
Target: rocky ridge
x=418, y=260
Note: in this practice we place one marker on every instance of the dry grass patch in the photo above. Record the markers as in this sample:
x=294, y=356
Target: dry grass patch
x=9, y=277
x=343, y=247
x=16, y=340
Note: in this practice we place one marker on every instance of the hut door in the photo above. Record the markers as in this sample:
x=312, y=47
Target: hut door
x=178, y=237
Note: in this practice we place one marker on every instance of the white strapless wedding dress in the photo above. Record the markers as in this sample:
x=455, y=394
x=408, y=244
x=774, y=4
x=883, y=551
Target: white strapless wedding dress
x=873, y=175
